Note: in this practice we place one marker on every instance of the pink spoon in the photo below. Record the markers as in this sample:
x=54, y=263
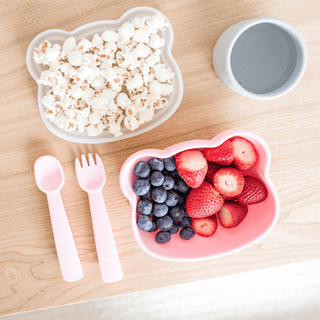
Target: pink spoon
x=49, y=179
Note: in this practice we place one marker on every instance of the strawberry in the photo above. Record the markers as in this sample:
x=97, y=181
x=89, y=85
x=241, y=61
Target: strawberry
x=222, y=155
x=232, y=214
x=228, y=181
x=233, y=199
x=192, y=167
x=244, y=153
x=205, y=227
x=203, y=201
x=254, y=191
x=212, y=168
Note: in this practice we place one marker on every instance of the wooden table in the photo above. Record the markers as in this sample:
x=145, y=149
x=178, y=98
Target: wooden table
x=30, y=277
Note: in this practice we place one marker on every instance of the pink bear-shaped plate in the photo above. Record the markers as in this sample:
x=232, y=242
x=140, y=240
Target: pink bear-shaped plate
x=260, y=219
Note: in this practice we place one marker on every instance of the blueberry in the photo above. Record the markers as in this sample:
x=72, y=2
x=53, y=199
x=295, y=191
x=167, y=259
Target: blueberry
x=174, y=229
x=185, y=222
x=187, y=233
x=165, y=172
x=175, y=174
x=175, y=187
x=141, y=169
x=141, y=187
x=168, y=182
x=172, y=199
x=165, y=223
x=163, y=237
x=154, y=227
x=144, y=207
x=169, y=163
x=156, y=164
x=181, y=199
x=144, y=223
x=160, y=210
x=185, y=211
x=159, y=195
x=177, y=214
x=147, y=196
x=182, y=186
x=156, y=179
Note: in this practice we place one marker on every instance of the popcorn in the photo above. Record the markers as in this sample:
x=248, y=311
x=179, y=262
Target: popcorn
x=110, y=35
x=61, y=121
x=141, y=50
x=50, y=114
x=140, y=22
x=84, y=45
x=48, y=100
x=162, y=74
x=157, y=21
x=39, y=53
x=88, y=95
x=97, y=41
x=78, y=89
x=114, y=81
x=94, y=118
x=126, y=31
x=68, y=46
x=51, y=54
x=131, y=123
x=123, y=100
x=141, y=35
x=156, y=42
x=69, y=112
x=98, y=83
x=84, y=72
x=131, y=111
x=153, y=59
x=89, y=59
x=110, y=47
x=141, y=103
x=135, y=82
x=93, y=131
x=155, y=87
x=167, y=89
x=50, y=78
x=75, y=58
x=145, y=115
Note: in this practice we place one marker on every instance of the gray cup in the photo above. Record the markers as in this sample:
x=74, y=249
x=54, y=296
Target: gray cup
x=261, y=58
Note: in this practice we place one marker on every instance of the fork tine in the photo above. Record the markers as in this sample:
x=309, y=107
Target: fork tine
x=84, y=161
x=91, y=160
x=78, y=165
x=99, y=161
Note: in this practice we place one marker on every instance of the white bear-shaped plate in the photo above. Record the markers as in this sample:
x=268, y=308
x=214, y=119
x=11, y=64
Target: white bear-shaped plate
x=87, y=31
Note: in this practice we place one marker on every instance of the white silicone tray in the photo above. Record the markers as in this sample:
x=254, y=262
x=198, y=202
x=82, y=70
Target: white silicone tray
x=87, y=31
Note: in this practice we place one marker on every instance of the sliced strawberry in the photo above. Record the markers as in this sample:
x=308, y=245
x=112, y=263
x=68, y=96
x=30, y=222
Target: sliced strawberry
x=192, y=167
x=254, y=191
x=203, y=201
x=232, y=214
x=212, y=168
x=228, y=181
x=205, y=227
x=244, y=154
x=221, y=155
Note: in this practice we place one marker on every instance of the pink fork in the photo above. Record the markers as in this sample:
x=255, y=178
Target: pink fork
x=91, y=178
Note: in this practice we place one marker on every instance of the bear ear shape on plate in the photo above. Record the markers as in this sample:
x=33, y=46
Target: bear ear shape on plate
x=97, y=32
x=260, y=219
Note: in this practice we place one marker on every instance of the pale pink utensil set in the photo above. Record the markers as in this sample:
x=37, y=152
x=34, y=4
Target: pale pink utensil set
x=91, y=178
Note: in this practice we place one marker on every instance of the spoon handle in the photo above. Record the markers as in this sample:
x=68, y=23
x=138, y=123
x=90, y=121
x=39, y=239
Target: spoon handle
x=109, y=262
x=66, y=248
